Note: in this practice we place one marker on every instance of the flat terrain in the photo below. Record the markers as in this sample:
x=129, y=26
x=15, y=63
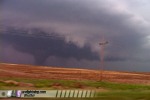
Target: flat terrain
x=42, y=72
x=115, y=85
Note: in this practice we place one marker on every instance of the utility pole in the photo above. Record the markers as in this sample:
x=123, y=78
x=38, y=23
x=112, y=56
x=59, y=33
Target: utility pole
x=102, y=45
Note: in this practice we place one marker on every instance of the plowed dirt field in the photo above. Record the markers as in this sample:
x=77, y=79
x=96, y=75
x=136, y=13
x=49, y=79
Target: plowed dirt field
x=42, y=72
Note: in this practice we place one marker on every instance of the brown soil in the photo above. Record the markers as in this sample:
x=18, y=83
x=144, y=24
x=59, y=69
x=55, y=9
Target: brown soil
x=12, y=82
x=42, y=72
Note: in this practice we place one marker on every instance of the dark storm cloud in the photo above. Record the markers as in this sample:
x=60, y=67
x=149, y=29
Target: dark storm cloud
x=41, y=46
x=8, y=54
x=115, y=25
x=86, y=21
x=1, y=2
x=53, y=9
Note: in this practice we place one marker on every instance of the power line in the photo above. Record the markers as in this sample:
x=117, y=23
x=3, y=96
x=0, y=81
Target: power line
x=102, y=45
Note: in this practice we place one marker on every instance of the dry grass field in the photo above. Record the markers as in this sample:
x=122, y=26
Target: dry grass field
x=115, y=85
x=42, y=72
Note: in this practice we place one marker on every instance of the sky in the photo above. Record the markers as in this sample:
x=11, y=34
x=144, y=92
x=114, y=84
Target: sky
x=66, y=33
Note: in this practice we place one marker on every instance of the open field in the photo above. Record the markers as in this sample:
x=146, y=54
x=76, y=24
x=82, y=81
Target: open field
x=30, y=72
x=105, y=90
x=115, y=85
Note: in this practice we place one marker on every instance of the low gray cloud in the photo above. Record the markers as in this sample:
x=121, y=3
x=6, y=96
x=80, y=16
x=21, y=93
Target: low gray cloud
x=9, y=54
x=85, y=22
x=41, y=46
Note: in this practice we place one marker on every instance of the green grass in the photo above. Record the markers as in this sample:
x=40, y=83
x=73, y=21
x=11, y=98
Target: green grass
x=114, y=91
x=125, y=95
x=45, y=83
x=117, y=86
x=112, y=95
